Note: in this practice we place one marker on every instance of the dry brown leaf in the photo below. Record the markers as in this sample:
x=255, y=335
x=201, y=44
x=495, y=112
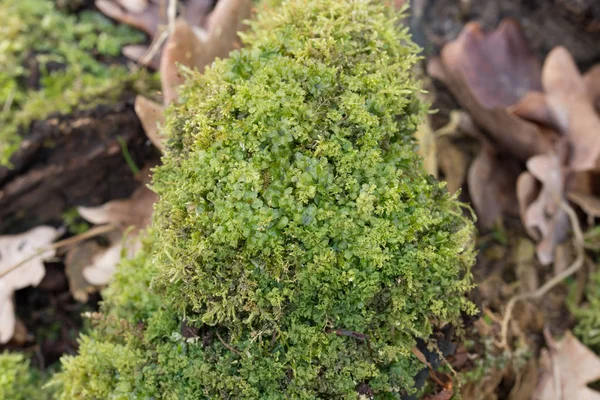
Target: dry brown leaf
x=592, y=83
x=193, y=48
x=104, y=263
x=487, y=74
x=528, y=189
x=15, y=249
x=135, y=211
x=77, y=259
x=139, y=53
x=544, y=214
x=588, y=203
x=96, y=265
x=534, y=107
x=453, y=162
x=151, y=116
x=567, y=367
x=146, y=20
x=572, y=110
x=134, y=6
x=492, y=181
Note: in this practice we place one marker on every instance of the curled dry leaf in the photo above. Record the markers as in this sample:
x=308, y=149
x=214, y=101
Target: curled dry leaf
x=487, y=74
x=145, y=19
x=139, y=54
x=544, y=214
x=13, y=250
x=453, y=162
x=91, y=265
x=572, y=109
x=151, y=116
x=592, y=83
x=134, y=6
x=567, y=367
x=491, y=181
x=103, y=264
x=528, y=189
x=135, y=211
x=194, y=48
x=588, y=203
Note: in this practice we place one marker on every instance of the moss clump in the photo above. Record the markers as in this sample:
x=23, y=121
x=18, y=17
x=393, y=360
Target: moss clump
x=18, y=381
x=298, y=248
x=588, y=316
x=54, y=62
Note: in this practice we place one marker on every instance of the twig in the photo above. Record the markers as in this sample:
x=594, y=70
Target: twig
x=557, y=279
x=232, y=349
x=98, y=230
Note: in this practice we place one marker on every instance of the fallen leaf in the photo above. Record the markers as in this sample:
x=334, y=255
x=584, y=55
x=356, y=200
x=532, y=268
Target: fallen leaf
x=592, y=83
x=491, y=182
x=588, y=203
x=135, y=211
x=528, y=189
x=146, y=20
x=134, y=6
x=78, y=258
x=487, y=74
x=139, y=54
x=567, y=367
x=151, y=116
x=103, y=264
x=571, y=108
x=7, y=313
x=544, y=214
x=13, y=250
x=453, y=162
x=90, y=264
x=196, y=48
x=534, y=107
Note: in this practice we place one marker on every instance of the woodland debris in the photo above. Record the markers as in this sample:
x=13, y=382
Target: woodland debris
x=567, y=367
x=14, y=249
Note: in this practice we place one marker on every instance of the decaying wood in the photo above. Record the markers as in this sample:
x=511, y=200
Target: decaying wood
x=72, y=160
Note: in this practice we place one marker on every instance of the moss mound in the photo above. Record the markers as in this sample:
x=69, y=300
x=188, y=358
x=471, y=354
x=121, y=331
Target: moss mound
x=298, y=247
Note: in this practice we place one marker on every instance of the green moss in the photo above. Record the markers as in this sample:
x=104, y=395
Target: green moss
x=588, y=315
x=53, y=62
x=18, y=381
x=298, y=247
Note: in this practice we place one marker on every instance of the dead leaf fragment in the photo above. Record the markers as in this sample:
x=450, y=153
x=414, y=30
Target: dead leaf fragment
x=151, y=116
x=92, y=265
x=567, y=368
x=135, y=211
x=487, y=74
x=492, y=183
x=571, y=108
x=545, y=214
x=588, y=203
x=194, y=48
x=13, y=250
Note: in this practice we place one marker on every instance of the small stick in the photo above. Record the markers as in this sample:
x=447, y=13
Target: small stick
x=233, y=350
x=98, y=230
x=557, y=279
